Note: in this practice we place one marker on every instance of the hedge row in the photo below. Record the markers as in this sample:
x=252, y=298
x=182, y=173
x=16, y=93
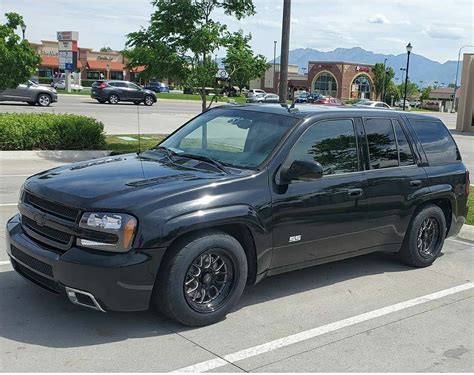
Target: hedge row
x=47, y=131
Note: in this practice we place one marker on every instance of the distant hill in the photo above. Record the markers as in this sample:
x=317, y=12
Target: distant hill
x=421, y=68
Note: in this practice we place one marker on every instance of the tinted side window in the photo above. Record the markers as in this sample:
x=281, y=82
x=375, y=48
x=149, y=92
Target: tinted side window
x=331, y=143
x=436, y=141
x=404, y=150
x=381, y=140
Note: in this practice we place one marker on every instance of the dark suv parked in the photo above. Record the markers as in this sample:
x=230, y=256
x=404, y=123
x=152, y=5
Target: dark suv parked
x=117, y=91
x=236, y=194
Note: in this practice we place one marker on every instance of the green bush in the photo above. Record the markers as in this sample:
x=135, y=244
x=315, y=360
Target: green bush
x=47, y=131
x=87, y=82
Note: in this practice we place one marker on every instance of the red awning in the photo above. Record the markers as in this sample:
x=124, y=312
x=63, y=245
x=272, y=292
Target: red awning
x=102, y=65
x=50, y=61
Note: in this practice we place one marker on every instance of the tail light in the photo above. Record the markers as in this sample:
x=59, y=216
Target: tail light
x=103, y=85
x=468, y=183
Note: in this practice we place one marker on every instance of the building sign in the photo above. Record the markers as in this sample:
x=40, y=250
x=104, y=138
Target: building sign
x=45, y=52
x=67, y=35
x=105, y=58
x=362, y=69
x=67, y=46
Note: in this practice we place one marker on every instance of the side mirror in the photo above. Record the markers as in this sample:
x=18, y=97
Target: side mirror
x=301, y=170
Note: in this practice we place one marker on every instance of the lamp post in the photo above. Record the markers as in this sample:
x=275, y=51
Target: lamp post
x=384, y=78
x=274, y=63
x=457, y=72
x=285, y=48
x=23, y=29
x=409, y=48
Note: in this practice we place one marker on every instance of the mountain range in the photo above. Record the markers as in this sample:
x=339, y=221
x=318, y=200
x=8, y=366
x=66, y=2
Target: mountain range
x=421, y=68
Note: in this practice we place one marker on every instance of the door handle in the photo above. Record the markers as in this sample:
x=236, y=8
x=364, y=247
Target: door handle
x=415, y=183
x=355, y=192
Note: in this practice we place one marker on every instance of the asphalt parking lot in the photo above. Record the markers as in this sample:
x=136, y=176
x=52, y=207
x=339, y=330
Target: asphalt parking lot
x=366, y=314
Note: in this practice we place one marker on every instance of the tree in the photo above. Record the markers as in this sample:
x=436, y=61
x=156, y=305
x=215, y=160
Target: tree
x=106, y=49
x=240, y=63
x=412, y=90
x=18, y=60
x=379, y=76
x=391, y=90
x=181, y=39
x=425, y=93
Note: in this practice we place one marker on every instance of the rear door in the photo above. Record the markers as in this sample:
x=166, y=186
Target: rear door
x=134, y=91
x=396, y=180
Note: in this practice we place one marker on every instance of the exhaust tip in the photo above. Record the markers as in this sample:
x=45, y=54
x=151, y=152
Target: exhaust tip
x=81, y=298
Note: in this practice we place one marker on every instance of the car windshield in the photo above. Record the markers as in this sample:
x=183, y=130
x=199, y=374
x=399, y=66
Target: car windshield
x=236, y=138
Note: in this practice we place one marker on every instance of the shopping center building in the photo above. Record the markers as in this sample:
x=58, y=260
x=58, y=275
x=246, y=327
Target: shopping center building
x=339, y=79
x=91, y=64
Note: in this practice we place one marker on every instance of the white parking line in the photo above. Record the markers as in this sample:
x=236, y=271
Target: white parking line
x=312, y=333
x=15, y=175
x=8, y=204
x=5, y=263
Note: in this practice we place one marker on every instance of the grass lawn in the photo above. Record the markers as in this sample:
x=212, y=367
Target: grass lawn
x=195, y=97
x=129, y=142
x=470, y=203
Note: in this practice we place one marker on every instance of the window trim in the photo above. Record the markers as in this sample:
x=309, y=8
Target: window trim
x=356, y=137
x=398, y=146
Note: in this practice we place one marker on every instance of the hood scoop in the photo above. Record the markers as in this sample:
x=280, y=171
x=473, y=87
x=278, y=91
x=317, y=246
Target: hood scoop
x=161, y=180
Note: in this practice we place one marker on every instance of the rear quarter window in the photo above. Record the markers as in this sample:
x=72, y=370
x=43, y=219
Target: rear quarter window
x=437, y=142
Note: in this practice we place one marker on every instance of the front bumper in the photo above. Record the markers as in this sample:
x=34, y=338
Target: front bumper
x=118, y=282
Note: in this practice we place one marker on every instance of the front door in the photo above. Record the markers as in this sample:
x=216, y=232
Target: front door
x=324, y=217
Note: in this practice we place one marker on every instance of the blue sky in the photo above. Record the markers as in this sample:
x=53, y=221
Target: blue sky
x=436, y=28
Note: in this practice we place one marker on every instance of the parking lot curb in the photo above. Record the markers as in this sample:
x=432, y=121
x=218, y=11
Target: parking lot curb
x=66, y=156
x=466, y=233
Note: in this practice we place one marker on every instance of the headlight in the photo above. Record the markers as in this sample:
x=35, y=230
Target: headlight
x=123, y=226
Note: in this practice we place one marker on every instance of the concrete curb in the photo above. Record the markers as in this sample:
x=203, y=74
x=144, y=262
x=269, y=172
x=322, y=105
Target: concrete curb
x=66, y=156
x=466, y=233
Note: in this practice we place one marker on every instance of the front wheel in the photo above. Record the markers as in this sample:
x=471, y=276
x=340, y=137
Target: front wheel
x=424, y=238
x=114, y=99
x=149, y=100
x=44, y=100
x=202, y=279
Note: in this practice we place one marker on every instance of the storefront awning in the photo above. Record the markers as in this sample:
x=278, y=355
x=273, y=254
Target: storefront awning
x=102, y=65
x=50, y=61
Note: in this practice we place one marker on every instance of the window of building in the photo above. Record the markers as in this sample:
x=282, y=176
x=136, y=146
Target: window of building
x=404, y=150
x=116, y=75
x=325, y=84
x=382, y=144
x=361, y=87
x=331, y=143
x=93, y=75
x=437, y=142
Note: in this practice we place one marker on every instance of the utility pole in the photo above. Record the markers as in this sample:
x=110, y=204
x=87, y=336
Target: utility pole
x=274, y=64
x=285, y=49
x=453, y=109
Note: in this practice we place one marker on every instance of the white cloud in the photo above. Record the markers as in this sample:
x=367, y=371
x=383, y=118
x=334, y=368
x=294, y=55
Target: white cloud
x=379, y=18
x=452, y=33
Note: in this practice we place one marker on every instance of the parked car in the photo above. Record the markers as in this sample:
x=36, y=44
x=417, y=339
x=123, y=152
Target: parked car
x=308, y=98
x=399, y=103
x=263, y=98
x=327, y=100
x=253, y=92
x=237, y=194
x=157, y=87
x=302, y=98
x=372, y=104
x=121, y=91
x=62, y=85
x=30, y=93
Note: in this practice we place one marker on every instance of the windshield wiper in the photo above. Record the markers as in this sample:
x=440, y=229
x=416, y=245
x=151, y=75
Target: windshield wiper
x=168, y=153
x=205, y=159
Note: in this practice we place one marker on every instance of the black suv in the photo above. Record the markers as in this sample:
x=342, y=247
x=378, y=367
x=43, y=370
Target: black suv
x=121, y=91
x=236, y=194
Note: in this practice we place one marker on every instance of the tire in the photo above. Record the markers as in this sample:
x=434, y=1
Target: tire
x=101, y=101
x=178, y=294
x=44, y=100
x=414, y=251
x=113, y=99
x=148, y=100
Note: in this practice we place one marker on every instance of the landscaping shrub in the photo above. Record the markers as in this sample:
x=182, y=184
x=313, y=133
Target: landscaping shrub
x=47, y=131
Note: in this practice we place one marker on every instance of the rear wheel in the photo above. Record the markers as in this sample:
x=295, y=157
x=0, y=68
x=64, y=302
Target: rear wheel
x=202, y=279
x=113, y=99
x=149, y=100
x=425, y=237
x=44, y=100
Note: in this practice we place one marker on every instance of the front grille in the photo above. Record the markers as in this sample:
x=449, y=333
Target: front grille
x=36, y=278
x=32, y=262
x=48, y=232
x=65, y=212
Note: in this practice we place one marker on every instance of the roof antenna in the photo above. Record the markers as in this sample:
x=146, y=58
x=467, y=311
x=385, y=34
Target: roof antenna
x=138, y=129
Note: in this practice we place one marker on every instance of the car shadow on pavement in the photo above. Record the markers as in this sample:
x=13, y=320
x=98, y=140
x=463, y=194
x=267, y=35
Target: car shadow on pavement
x=32, y=316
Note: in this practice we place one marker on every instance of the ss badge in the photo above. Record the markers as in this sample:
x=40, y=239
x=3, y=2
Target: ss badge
x=295, y=238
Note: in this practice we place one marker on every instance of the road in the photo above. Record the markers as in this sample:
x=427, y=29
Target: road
x=360, y=315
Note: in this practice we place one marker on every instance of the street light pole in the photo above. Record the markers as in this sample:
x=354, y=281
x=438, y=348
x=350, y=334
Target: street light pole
x=23, y=29
x=457, y=72
x=384, y=78
x=274, y=64
x=285, y=49
x=409, y=48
